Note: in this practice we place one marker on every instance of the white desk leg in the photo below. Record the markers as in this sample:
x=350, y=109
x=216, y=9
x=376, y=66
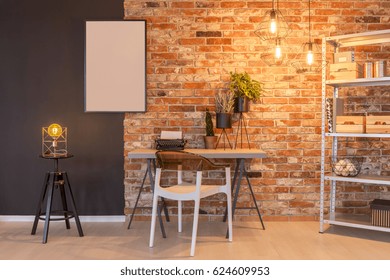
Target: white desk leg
x=236, y=170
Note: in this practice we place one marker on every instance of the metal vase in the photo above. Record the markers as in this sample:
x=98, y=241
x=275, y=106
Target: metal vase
x=241, y=104
x=224, y=120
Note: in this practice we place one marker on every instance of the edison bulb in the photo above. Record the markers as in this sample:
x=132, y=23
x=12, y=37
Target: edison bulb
x=278, y=52
x=54, y=130
x=273, y=24
x=309, y=58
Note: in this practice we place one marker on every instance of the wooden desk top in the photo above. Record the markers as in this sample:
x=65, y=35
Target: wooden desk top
x=208, y=153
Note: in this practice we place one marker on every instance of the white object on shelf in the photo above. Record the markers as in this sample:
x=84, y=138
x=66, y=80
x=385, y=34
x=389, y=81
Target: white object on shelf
x=171, y=134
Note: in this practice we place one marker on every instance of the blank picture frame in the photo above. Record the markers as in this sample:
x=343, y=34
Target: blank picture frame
x=115, y=66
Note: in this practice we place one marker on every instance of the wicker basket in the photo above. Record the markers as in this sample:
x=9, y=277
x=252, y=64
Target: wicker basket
x=346, y=166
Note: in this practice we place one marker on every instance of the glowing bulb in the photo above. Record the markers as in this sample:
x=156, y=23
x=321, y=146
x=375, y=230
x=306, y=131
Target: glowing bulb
x=278, y=52
x=54, y=130
x=309, y=58
x=273, y=24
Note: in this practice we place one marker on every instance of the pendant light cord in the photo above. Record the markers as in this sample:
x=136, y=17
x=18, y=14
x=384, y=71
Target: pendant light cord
x=309, y=24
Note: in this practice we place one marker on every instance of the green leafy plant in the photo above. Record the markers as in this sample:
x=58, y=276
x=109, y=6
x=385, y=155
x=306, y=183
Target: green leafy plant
x=224, y=102
x=241, y=84
x=209, y=123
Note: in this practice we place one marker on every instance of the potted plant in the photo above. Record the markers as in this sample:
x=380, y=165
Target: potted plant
x=244, y=89
x=210, y=139
x=224, y=103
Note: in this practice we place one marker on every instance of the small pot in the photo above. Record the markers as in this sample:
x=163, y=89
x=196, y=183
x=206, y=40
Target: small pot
x=224, y=120
x=210, y=142
x=241, y=104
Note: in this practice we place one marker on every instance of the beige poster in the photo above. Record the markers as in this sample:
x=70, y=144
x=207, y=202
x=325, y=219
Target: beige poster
x=115, y=64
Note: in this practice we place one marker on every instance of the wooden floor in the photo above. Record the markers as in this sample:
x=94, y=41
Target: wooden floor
x=280, y=241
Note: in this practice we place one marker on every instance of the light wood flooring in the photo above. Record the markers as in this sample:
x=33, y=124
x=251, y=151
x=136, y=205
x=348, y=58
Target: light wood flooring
x=280, y=241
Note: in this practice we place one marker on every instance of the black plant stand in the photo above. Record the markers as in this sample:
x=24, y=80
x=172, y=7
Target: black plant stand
x=241, y=126
x=224, y=135
x=55, y=180
x=224, y=122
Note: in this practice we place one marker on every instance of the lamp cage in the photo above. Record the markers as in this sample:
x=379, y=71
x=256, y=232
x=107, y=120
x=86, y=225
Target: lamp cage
x=54, y=140
x=273, y=25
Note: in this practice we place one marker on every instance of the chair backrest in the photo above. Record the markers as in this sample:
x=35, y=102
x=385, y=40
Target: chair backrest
x=181, y=160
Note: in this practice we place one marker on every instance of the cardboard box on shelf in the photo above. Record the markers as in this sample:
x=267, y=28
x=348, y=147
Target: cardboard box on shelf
x=344, y=57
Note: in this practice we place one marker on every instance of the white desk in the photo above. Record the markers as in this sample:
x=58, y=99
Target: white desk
x=238, y=154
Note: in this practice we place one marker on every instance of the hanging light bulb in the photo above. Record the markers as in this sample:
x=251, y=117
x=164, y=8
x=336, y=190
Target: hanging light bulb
x=310, y=55
x=277, y=54
x=278, y=50
x=307, y=59
x=273, y=26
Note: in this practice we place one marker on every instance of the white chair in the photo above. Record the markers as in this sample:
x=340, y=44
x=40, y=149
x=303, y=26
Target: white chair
x=181, y=162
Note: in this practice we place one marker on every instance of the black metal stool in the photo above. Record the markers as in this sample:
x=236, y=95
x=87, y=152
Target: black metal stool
x=56, y=180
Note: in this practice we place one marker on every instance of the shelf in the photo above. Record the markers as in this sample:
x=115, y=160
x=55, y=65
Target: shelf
x=360, y=39
x=367, y=135
x=356, y=221
x=383, y=81
x=368, y=179
x=342, y=41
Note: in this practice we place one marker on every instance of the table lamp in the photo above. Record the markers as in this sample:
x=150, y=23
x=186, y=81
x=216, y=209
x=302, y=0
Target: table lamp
x=54, y=140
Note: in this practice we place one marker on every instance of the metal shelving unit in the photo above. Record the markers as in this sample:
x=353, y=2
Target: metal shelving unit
x=383, y=81
x=357, y=221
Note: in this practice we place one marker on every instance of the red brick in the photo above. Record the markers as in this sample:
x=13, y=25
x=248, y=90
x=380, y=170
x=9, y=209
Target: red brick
x=243, y=26
x=259, y=4
x=164, y=70
x=163, y=55
x=195, y=100
x=275, y=100
x=230, y=4
x=187, y=5
x=219, y=41
x=328, y=12
x=342, y=5
x=208, y=49
x=167, y=100
x=164, y=26
x=208, y=19
x=208, y=34
x=157, y=108
x=181, y=108
x=176, y=123
x=194, y=85
x=192, y=41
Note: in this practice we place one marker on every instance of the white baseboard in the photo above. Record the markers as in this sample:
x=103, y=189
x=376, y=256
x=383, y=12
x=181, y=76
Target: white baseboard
x=94, y=219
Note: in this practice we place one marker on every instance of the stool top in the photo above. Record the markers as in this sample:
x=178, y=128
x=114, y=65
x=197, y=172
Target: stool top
x=56, y=156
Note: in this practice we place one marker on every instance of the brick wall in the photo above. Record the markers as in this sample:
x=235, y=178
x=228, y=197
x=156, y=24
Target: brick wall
x=193, y=45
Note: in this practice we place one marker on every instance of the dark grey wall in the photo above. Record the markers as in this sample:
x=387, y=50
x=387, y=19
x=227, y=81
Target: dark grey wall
x=41, y=82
